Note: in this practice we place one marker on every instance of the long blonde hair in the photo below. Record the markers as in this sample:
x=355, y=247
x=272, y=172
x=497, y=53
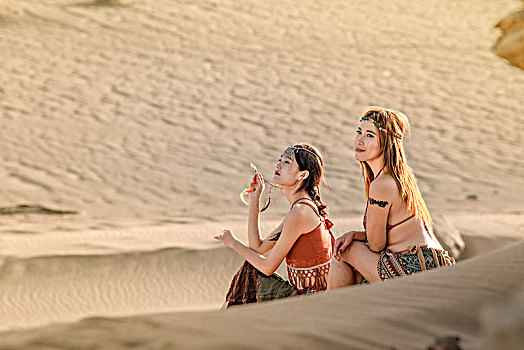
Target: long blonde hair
x=395, y=160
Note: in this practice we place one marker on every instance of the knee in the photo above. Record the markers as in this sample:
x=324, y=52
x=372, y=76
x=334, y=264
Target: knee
x=348, y=254
x=337, y=263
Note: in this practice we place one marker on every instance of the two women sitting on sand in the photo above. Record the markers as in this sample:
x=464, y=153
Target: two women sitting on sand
x=397, y=239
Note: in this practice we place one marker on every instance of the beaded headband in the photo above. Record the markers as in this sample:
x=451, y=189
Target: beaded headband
x=379, y=127
x=294, y=149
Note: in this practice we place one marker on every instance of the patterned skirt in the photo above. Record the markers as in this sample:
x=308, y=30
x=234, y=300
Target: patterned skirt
x=250, y=286
x=418, y=259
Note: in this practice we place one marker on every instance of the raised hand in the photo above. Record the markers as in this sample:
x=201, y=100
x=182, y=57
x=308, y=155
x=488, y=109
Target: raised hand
x=256, y=186
x=227, y=238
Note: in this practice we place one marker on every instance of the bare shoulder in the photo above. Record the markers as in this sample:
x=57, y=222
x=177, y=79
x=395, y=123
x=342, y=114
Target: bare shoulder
x=302, y=211
x=302, y=218
x=384, y=187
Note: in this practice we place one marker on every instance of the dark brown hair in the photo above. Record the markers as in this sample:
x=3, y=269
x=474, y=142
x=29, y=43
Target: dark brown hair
x=311, y=160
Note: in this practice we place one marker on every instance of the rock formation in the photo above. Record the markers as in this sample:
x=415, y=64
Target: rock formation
x=510, y=45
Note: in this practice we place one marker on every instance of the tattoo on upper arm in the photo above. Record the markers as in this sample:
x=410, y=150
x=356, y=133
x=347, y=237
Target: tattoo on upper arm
x=276, y=236
x=381, y=204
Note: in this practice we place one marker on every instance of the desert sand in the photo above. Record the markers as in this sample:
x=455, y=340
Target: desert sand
x=127, y=133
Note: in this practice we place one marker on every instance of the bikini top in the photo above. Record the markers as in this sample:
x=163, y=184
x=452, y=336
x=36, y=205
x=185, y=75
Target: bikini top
x=388, y=226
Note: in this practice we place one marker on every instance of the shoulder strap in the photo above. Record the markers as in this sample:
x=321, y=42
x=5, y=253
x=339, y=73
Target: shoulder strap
x=312, y=206
x=398, y=223
x=378, y=174
x=327, y=223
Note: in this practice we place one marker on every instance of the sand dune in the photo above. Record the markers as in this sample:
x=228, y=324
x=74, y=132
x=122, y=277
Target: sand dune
x=133, y=126
x=155, y=109
x=58, y=277
x=405, y=313
x=47, y=289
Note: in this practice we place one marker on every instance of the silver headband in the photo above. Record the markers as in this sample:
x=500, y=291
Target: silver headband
x=288, y=153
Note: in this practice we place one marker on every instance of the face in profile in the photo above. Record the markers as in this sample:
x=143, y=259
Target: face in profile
x=286, y=169
x=366, y=142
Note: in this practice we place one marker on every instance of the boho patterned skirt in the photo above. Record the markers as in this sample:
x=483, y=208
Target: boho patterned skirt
x=250, y=286
x=418, y=259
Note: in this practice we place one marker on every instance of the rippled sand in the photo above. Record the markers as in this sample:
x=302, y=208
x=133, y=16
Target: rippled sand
x=127, y=133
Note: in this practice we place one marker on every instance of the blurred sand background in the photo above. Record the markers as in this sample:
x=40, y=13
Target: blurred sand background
x=142, y=120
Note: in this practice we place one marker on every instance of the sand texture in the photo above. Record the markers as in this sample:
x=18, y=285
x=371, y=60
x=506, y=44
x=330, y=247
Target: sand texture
x=404, y=314
x=155, y=109
x=127, y=132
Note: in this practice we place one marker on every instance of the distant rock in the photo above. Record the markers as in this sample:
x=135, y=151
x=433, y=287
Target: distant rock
x=448, y=235
x=510, y=45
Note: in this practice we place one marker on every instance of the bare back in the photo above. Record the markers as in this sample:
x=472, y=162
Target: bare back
x=403, y=229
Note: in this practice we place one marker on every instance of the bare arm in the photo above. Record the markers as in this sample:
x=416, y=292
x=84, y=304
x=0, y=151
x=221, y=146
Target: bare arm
x=380, y=198
x=255, y=241
x=292, y=228
x=359, y=236
x=254, y=237
x=271, y=239
x=381, y=195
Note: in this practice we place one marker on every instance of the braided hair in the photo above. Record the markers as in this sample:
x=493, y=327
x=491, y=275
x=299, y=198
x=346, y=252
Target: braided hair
x=311, y=160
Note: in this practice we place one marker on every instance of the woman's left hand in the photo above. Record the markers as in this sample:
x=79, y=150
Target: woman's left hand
x=342, y=243
x=227, y=238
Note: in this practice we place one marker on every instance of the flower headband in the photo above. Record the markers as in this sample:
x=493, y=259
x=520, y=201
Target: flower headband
x=380, y=126
x=288, y=153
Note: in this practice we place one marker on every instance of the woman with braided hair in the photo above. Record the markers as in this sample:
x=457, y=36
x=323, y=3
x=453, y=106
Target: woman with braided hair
x=303, y=238
x=397, y=239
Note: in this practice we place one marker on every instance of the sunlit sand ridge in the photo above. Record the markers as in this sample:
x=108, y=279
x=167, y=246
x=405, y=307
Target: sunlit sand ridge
x=127, y=135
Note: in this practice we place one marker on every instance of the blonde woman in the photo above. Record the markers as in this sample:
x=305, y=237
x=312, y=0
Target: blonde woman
x=397, y=239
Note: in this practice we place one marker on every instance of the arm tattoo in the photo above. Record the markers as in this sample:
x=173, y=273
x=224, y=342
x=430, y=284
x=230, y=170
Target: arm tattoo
x=381, y=204
x=276, y=236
